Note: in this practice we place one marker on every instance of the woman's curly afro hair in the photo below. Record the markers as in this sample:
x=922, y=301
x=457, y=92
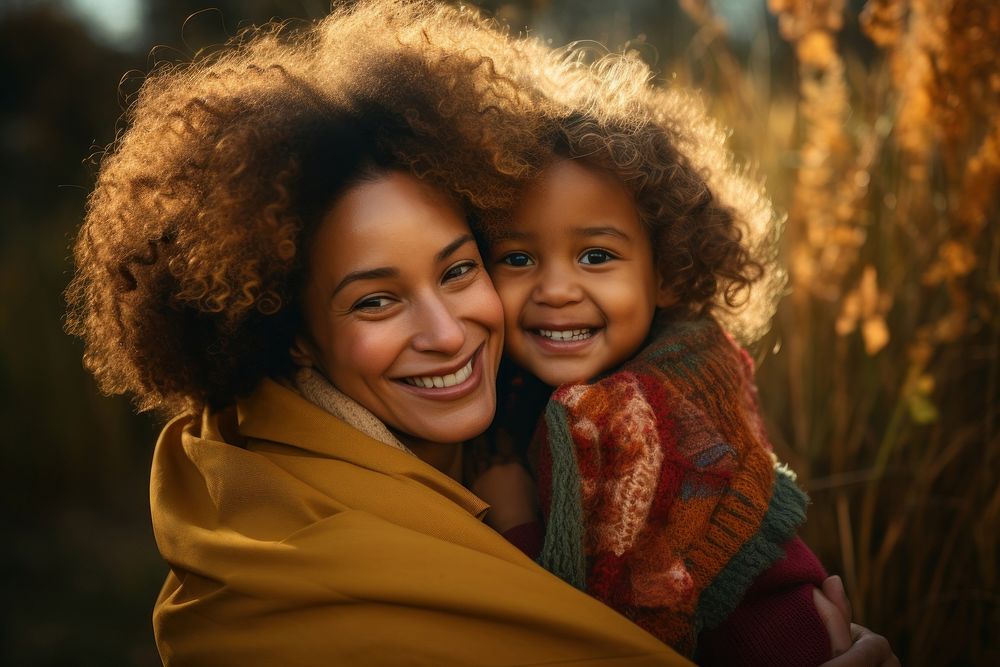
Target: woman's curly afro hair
x=189, y=261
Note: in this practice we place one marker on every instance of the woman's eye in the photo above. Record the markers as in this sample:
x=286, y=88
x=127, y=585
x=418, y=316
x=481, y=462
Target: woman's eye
x=459, y=270
x=373, y=303
x=516, y=259
x=596, y=256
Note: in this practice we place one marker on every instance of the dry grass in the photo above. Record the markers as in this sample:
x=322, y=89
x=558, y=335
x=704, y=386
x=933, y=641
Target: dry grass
x=881, y=375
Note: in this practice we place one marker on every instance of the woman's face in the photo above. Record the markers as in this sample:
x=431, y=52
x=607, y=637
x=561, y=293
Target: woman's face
x=400, y=314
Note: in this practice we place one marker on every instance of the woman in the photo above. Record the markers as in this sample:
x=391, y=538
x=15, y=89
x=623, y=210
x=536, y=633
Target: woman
x=254, y=240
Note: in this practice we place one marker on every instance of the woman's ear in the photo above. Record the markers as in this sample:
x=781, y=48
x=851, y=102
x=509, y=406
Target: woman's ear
x=302, y=352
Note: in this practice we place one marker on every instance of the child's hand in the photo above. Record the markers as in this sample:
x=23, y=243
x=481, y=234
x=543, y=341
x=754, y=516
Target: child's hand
x=510, y=491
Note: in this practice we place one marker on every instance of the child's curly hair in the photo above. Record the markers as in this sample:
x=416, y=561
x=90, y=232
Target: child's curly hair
x=190, y=258
x=715, y=234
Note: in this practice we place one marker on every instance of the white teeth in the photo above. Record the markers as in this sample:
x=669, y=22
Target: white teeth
x=441, y=381
x=573, y=334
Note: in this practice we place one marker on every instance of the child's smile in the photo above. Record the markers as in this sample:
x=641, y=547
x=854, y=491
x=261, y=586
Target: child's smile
x=566, y=336
x=564, y=339
x=576, y=275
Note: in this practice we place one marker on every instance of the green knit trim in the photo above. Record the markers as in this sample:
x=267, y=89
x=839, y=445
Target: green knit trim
x=785, y=513
x=562, y=551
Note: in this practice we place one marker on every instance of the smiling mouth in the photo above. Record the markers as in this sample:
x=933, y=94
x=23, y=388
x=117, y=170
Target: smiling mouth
x=442, y=381
x=568, y=335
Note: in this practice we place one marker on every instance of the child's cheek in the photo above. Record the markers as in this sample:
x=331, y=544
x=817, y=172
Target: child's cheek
x=514, y=345
x=512, y=299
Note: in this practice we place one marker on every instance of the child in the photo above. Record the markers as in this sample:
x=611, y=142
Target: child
x=661, y=495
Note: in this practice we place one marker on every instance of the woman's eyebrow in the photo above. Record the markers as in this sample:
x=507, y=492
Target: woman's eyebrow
x=390, y=272
x=365, y=274
x=453, y=246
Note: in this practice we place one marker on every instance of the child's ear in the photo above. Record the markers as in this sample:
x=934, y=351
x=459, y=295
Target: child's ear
x=303, y=353
x=665, y=296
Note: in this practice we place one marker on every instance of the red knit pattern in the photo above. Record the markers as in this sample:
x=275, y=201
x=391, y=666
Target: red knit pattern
x=607, y=572
x=676, y=476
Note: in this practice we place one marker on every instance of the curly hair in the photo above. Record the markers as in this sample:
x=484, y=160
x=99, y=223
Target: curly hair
x=714, y=231
x=696, y=242
x=191, y=255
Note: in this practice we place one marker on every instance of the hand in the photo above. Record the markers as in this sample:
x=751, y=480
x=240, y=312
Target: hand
x=833, y=589
x=835, y=611
x=510, y=491
x=838, y=626
x=867, y=650
x=864, y=647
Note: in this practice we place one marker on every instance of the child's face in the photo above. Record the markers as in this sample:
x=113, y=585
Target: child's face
x=576, y=276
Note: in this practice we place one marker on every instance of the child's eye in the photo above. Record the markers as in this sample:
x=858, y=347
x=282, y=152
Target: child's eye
x=373, y=304
x=517, y=259
x=596, y=256
x=459, y=270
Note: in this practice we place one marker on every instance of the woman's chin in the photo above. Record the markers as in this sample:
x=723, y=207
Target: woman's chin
x=474, y=430
x=451, y=430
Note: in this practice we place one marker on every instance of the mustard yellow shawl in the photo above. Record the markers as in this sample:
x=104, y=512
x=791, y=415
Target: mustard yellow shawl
x=294, y=539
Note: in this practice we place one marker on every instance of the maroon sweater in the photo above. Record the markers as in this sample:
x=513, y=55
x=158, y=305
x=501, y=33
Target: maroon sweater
x=775, y=621
x=776, y=624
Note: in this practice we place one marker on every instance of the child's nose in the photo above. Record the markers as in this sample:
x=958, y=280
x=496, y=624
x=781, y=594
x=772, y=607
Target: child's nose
x=556, y=287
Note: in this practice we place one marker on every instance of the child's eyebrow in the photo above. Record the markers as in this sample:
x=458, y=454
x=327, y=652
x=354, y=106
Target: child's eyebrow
x=511, y=235
x=602, y=231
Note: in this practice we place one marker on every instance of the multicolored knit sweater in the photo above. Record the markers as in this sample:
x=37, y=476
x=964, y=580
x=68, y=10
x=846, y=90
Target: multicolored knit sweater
x=662, y=496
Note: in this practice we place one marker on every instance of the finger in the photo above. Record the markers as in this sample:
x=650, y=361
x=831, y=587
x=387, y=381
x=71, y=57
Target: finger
x=868, y=650
x=834, y=622
x=833, y=588
x=875, y=647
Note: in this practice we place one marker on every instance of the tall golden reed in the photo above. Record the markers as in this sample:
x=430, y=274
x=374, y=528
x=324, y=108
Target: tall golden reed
x=883, y=389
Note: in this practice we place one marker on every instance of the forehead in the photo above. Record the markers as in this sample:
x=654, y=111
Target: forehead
x=571, y=194
x=391, y=220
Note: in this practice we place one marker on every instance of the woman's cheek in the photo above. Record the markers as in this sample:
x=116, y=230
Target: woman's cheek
x=491, y=304
x=375, y=345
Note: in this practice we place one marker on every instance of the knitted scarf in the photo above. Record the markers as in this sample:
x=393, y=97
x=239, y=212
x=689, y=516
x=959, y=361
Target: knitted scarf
x=663, y=497
x=315, y=388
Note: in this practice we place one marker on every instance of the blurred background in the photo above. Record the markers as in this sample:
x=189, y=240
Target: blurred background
x=877, y=127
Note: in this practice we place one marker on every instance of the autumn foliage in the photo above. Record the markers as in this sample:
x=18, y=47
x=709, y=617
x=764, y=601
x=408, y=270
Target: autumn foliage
x=881, y=374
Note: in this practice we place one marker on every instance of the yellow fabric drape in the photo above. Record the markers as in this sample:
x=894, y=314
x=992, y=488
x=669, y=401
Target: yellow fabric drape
x=294, y=539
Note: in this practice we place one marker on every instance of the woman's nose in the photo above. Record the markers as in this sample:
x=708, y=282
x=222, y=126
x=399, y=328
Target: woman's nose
x=556, y=286
x=440, y=327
